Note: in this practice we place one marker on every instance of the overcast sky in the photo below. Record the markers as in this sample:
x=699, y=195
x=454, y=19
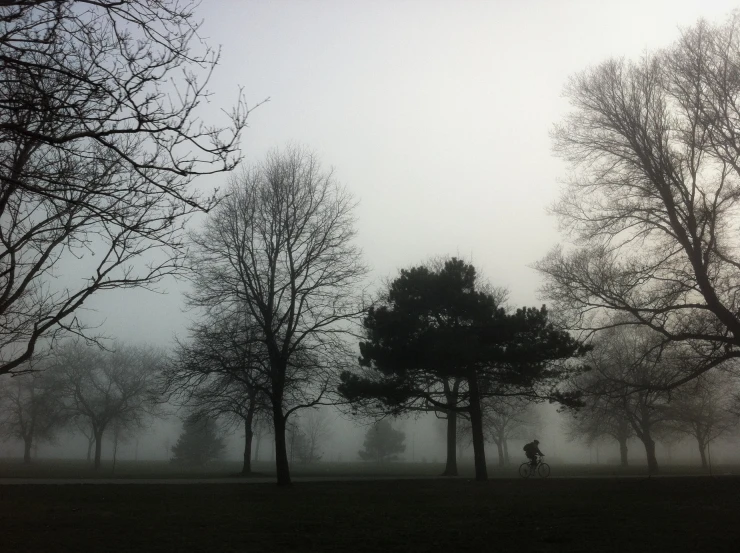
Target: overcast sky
x=434, y=114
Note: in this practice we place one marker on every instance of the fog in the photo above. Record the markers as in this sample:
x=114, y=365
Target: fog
x=435, y=115
x=425, y=443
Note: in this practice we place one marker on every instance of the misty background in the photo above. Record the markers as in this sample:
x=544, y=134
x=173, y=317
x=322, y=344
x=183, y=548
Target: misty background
x=435, y=115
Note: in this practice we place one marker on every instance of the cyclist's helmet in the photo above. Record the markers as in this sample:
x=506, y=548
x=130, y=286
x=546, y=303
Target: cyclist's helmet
x=536, y=441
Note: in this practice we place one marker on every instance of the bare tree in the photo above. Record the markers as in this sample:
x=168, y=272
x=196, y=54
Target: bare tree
x=100, y=141
x=628, y=380
x=508, y=418
x=121, y=433
x=260, y=429
x=654, y=195
x=30, y=410
x=315, y=428
x=598, y=420
x=220, y=374
x=702, y=409
x=280, y=247
x=86, y=430
x=105, y=388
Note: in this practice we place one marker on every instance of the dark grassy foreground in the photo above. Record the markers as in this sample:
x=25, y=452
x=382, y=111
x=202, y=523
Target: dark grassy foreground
x=669, y=514
x=73, y=468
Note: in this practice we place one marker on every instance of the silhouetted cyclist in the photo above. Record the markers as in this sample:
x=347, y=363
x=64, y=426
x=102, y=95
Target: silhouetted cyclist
x=532, y=450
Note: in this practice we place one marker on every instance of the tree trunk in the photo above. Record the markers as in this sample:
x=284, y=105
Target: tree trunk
x=90, y=442
x=703, y=454
x=501, y=455
x=248, y=434
x=650, y=451
x=27, y=444
x=451, y=466
x=115, y=452
x=282, y=467
x=506, y=450
x=623, y=452
x=476, y=421
x=257, y=446
x=98, y=449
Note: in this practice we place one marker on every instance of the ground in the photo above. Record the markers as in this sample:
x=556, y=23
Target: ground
x=567, y=514
x=72, y=468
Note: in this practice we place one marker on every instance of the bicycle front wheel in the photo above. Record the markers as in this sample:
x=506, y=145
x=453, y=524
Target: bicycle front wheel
x=525, y=470
x=543, y=470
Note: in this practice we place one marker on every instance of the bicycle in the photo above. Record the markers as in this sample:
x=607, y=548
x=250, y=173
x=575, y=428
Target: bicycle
x=539, y=467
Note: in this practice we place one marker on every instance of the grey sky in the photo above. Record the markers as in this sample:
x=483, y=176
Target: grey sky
x=434, y=114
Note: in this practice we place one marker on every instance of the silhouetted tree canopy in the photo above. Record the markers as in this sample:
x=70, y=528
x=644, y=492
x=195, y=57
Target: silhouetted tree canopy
x=436, y=325
x=280, y=248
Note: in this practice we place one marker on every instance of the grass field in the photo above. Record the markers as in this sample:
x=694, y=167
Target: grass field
x=45, y=468
x=670, y=514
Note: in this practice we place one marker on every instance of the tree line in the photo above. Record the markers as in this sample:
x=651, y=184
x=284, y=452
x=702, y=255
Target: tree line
x=97, y=162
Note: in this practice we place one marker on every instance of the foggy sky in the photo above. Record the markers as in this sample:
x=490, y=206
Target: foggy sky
x=435, y=115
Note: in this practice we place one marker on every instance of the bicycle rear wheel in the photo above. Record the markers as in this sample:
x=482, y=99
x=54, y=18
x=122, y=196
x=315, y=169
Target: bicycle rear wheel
x=525, y=470
x=543, y=470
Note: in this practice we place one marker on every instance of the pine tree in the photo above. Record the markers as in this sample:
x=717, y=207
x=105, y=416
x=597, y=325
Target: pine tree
x=382, y=443
x=199, y=442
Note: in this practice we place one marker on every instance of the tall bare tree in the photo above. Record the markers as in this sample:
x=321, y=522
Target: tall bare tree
x=653, y=195
x=104, y=388
x=280, y=246
x=100, y=140
x=30, y=410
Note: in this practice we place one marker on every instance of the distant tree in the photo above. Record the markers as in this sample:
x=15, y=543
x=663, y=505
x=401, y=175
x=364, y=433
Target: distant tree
x=120, y=433
x=382, y=443
x=441, y=341
x=83, y=425
x=505, y=419
x=598, y=420
x=199, y=443
x=280, y=247
x=305, y=435
x=103, y=388
x=653, y=196
x=295, y=441
x=463, y=435
x=315, y=429
x=220, y=373
x=260, y=429
x=702, y=409
x=31, y=409
x=101, y=143
x=629, y=367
